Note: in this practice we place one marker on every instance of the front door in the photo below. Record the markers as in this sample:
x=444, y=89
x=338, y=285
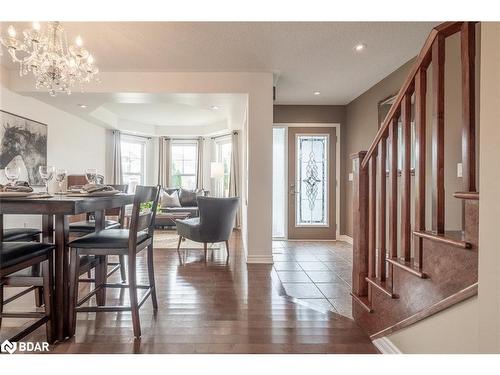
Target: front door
x=311, y=183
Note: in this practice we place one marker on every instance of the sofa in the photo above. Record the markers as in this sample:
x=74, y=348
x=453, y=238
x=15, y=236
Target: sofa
x=187, y=202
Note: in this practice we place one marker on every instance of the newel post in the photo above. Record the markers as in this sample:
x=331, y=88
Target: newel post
x=360, y=225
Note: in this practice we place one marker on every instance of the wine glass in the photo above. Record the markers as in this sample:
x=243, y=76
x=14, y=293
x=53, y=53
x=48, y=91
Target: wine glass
x=46, y=173
x=12, y=173
x=60, y=177
x=91, y=175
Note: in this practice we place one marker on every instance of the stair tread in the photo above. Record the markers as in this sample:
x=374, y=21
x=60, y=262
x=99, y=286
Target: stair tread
x=382, y=286
x=452, y=237
x=408, y=266
x=473, y=195
x=363, y=301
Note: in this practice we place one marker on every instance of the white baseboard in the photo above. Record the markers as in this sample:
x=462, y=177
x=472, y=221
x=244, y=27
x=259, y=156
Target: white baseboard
x=261, y=259
x=386, y=346
x=345, y=238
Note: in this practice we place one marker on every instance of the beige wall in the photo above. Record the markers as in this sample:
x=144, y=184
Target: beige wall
x=72, y=143
x=360, y=130
x=474, y=325
x=286, y=114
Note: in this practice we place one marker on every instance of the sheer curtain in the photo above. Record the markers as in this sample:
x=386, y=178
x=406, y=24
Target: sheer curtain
x=199, y=164
x=164, y=161
x=234, y=174
x=116, y=169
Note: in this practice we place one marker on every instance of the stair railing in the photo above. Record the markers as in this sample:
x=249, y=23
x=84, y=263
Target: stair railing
x=375, y=204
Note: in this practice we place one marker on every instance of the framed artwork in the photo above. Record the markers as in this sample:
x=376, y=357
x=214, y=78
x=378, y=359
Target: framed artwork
x=383, y=108
x=23, y=142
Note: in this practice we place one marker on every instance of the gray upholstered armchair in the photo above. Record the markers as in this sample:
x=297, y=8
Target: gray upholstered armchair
x=214, y=224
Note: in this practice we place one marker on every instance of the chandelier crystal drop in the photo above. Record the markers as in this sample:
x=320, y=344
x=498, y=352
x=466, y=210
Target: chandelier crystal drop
x=45, y=52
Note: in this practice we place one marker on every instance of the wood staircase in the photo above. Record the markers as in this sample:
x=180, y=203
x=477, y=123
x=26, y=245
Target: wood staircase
x=403, y=274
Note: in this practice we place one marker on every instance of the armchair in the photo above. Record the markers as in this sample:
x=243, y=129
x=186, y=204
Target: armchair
x=214, y=224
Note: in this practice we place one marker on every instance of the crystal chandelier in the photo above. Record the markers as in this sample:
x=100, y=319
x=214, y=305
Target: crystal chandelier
x=45, y=52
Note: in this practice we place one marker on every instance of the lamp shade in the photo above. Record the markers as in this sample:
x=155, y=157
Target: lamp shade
x=216, y=170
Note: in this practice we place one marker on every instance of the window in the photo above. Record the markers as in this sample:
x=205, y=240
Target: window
x=279, y=184
x=224, y=148
x=183, y=169
x=133, y=161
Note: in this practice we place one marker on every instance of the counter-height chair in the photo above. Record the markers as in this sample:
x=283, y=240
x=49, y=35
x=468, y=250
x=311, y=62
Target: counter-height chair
x=214, y=224
x=87, y=226
x=117, y=242
x=26, y=235
x=14, y=258
x=21, y=234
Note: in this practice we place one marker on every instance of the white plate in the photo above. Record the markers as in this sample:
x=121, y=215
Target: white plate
x=96, y=194
x=14, y=194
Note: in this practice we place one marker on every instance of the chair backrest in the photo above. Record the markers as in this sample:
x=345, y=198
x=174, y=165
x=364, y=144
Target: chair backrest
x=118, y=211
x=141, y=220
x=217, y=217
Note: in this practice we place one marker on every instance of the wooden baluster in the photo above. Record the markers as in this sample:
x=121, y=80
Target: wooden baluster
x=405, y=177
x=393, y=189
x=438, y=55
x=372, y=216
x=468, y=44
x=420, y=160
x=360, y=228
x=382, y=209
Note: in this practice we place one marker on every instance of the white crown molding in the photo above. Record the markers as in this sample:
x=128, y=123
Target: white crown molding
x=345, y=238
x=386, y=346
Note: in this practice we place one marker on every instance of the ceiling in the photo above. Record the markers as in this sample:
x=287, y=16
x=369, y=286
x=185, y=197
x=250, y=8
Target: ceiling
x=156, y=110
x=305, y=56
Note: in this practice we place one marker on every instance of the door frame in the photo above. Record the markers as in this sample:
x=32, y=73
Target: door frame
x=337, y=168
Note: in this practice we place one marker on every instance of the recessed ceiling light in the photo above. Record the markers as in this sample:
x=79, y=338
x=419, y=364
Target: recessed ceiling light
x=83, y=106
x=317, y=93
x=214, y=107
x=359, y=47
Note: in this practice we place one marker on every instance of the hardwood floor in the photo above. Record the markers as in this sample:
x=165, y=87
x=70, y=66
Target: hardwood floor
x=217, y=307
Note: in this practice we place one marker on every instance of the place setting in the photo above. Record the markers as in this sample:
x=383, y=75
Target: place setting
x=91, y=189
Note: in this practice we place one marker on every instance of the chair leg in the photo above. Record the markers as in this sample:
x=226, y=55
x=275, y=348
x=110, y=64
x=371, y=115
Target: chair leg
x=178, y=250
x=1, y=303
x=73, y=289
x=101, y=273
x=35, y=272
x=205, y=249
x=134, y=307
x=123, y=271
x=227, y=248
x=151, y=276
x=48, y=284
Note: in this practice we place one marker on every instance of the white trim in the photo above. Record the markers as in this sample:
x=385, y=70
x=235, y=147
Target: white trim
x=345, y=238
x=386, y=346
x=337, y=162
x=261, y=259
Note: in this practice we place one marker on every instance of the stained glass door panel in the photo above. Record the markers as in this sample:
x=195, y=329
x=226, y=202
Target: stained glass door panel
x=311, y=206
x=311, y=183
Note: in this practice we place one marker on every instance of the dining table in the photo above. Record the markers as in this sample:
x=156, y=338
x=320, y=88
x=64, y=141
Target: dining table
x=56, y=211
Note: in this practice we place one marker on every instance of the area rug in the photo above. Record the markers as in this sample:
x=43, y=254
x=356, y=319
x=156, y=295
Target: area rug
x=167, y=240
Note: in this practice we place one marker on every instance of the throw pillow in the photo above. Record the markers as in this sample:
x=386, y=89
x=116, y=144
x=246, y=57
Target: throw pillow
x=169, y=200
x=188, y=197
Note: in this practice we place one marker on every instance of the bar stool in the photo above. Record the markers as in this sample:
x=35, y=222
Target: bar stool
x=18, y=256
x=117, y=242
x=88, y=226
x=26, y=235
x=21, y=234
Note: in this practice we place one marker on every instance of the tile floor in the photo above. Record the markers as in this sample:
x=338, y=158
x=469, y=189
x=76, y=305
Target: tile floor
x=317, y=273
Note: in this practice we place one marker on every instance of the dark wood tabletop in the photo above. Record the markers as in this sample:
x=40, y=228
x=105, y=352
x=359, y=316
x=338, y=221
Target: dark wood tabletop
x=61, y=204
